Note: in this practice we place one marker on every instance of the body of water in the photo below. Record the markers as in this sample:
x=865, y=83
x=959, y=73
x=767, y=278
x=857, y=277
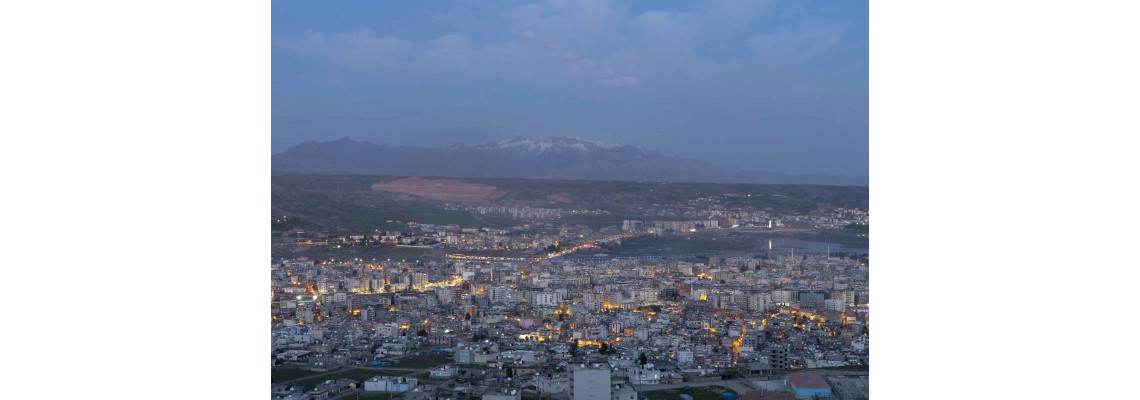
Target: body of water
x=778, y=246
x=783, y=245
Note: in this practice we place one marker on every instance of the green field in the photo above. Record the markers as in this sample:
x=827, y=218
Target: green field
x=423, y=362
x=288, y=374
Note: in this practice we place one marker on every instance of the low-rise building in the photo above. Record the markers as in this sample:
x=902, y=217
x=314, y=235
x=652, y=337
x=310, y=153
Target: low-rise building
x=808, y=385
x=504, y=394
x=442, y=373
x=389, y=384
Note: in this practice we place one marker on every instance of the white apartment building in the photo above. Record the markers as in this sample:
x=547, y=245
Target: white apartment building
x=590, y=383
x=546, y=299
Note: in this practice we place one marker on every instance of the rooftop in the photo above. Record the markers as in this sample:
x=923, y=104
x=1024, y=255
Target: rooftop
x=807, y=380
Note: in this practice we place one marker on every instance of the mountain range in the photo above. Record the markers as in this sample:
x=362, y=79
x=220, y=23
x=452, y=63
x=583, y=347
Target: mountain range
x=545, y=158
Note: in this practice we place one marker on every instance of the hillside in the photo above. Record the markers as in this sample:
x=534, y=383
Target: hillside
x=370, y=201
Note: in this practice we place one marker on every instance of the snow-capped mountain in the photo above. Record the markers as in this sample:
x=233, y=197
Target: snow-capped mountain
x=550, y=144
x=546, y=158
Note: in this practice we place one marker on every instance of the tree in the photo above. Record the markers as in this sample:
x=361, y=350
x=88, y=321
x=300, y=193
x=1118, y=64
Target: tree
x=421, y=333
x=642, y=359
x=574, y=347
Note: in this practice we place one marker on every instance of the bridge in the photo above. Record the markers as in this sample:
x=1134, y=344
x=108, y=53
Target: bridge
x=654, y=257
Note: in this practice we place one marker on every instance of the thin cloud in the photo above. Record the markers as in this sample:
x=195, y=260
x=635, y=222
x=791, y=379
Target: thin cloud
x=621, y=81
x=787, y=74
x=362, y=48
x=798, y=45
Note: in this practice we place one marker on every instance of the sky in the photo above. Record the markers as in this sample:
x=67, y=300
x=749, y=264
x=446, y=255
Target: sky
x=765, y=85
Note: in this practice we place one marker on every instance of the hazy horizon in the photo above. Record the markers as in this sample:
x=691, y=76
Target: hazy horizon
x=759, y=85
x=727, y=167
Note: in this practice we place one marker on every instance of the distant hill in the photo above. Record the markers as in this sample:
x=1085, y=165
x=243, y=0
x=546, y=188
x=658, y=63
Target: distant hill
x=371, y=201
x=547, y=158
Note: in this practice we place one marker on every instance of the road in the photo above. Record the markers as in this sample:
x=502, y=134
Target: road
x=394, y=369
x=831, y=372
x=740, y=386
x=349, y=394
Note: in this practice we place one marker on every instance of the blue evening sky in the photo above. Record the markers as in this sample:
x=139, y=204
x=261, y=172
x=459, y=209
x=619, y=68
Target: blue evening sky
x=765, y=85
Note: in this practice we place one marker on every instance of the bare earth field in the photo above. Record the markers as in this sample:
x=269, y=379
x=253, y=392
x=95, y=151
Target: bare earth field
x=440, y=189
x=559, y=198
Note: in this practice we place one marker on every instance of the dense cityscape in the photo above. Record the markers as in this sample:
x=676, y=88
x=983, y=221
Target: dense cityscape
x=548, y=310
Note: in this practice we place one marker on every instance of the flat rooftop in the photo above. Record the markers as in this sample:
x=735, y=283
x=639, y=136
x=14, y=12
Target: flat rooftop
x=807, y=380
x=849, y=388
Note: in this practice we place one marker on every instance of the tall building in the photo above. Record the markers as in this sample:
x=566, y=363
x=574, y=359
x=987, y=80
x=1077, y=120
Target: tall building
x=811, y=298
x=833, y=304
x=783, y=297
x=501, y=295
x=778, y=356
x=545, y=299
x=756, y=301
x=591, y=384
x=849, y=298
x=305, y=315
x=388, y=330
x=445, y=295
x=419, y=278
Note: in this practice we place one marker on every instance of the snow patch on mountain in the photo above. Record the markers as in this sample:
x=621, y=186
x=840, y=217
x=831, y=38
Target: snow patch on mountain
x=551, y=144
